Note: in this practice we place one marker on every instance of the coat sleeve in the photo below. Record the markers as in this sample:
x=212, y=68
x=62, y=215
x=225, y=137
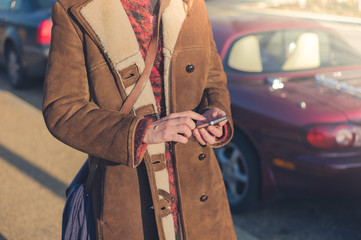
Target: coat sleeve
x=69, y=113
x=216, y=93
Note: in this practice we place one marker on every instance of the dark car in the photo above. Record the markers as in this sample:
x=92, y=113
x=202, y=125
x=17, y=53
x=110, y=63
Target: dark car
x=25, y=31
x=295, y=89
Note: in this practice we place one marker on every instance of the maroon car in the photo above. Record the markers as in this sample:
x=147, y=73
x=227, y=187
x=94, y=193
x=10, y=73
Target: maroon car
x=296, y=102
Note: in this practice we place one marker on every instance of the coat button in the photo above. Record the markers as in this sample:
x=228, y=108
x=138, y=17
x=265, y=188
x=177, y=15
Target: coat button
x=202, y=156
x=204, y=198
x=190, y=68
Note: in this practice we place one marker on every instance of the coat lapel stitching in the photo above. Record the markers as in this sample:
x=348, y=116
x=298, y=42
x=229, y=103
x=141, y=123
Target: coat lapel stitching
x=75, y=10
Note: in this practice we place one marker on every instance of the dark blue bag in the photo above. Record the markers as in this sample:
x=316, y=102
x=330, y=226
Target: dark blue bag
x=78, y=217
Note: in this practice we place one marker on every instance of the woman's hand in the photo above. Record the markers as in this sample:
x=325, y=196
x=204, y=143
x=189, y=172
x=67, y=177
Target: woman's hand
x=208, y=135
x=176, y=127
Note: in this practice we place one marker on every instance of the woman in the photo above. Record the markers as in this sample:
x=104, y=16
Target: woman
x=151, y=182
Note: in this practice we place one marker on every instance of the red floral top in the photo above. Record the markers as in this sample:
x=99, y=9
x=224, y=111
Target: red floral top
x=143, y=21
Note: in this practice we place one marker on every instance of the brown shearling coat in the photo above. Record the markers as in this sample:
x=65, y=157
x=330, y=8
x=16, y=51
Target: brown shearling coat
x=92, y=64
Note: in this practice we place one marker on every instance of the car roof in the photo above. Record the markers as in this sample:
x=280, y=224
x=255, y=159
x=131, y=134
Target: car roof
x=261, y=22
x=225, y=27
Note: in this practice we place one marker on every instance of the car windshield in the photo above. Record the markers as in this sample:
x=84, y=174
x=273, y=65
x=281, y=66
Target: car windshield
x=290, y=50
x=45, y=3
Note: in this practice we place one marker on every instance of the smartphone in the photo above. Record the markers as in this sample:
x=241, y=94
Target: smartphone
x=211, y=123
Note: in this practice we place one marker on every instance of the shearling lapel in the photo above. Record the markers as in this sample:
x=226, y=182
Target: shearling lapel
x=172, y=20
x=108, y=24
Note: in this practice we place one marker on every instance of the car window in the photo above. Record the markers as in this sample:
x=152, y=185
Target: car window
x=290, y=50
x=5, y=5
x=45, y=3
x=245, y=55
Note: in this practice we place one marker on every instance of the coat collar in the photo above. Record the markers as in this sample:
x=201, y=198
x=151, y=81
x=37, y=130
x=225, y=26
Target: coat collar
x=107, y=23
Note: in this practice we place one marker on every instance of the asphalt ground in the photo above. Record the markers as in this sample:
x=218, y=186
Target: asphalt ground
x=36, y=170
x=304, y=218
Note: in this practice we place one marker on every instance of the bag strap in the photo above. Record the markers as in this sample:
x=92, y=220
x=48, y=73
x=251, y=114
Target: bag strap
x=149, y=62
x=131, y=99
x=142, y=82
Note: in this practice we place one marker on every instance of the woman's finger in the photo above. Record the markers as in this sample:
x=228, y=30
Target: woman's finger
x=190, y=123
x=221, y=124
x=190, y=114
x=215, y=131
x=185, y=121
x=207, y=137
x=179, y=138
x=198, y=137
x=184, y=130
x=172, y=126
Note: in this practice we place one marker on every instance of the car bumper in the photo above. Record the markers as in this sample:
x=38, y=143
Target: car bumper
x=331, y=174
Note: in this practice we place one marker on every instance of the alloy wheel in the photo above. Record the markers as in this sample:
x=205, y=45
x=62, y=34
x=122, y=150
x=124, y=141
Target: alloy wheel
x=14, y=68
x=235, y=171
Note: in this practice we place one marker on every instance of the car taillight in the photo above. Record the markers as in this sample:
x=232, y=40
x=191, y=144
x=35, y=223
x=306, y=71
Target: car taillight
x=339, y=136
x=44, y=32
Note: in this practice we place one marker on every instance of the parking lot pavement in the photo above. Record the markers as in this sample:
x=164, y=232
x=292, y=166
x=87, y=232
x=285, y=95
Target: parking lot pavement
x=35, y=170
x=243, y=235
x=305, y=218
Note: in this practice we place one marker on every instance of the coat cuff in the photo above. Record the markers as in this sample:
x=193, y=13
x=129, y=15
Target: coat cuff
x=220, y=141
x=139, y=146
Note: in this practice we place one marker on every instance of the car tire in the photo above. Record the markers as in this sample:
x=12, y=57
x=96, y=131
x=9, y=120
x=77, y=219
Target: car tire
x=240, y=168
x=14, y=68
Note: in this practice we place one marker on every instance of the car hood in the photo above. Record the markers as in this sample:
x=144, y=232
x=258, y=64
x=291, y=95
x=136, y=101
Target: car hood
x=328, y=93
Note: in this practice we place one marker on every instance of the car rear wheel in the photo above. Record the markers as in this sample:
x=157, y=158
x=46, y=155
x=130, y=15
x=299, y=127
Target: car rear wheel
x=241, y=173
x=14, y=68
